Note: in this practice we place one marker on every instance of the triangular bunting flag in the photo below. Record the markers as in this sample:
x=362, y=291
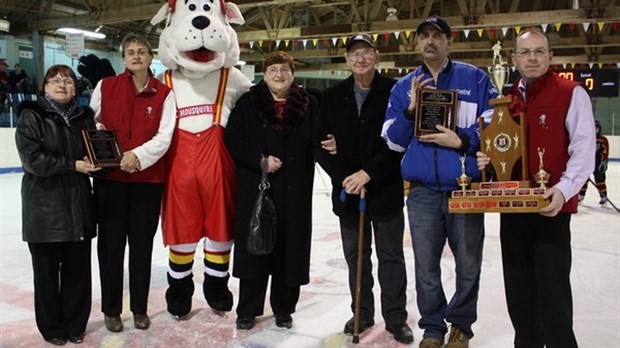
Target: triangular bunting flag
x=504, y=30
x=251, y=44
x=544, y=27
x=466, y=32
x=564, y=65
x=315, y=42
x=386, y=36
x=286, y=43
x=600, y=25
x=375, y=36
x=407, y=33
x=614, y=25
x=586, y=26
x=260, y=43
x=517, y=29
x=324, y=42
x=572, y=65
x=304, y=42
x=396, y=34
x=334, y=41
x=492, y=32
x=571, y=26
x=480, y=32
x=557, y=26
x=591, y=65
x=400, y=70
x=513, y=68
x=454, y=33
x=278, y=43
x=600, y=65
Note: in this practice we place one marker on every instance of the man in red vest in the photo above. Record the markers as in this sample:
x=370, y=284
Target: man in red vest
x=536, y=250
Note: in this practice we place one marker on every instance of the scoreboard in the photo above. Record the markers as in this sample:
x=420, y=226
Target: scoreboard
x=600, y=83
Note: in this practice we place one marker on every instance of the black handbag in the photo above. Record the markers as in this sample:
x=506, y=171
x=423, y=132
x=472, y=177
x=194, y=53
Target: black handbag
x=263, y=221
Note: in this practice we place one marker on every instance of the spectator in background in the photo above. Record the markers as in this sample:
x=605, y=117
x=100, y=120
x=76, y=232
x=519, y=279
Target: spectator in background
x=5, y=87
x=19, y=81
x=600, y=167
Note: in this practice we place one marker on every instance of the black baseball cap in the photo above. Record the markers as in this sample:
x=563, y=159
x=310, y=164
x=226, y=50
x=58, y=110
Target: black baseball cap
x=438, y=23
x=360, y=38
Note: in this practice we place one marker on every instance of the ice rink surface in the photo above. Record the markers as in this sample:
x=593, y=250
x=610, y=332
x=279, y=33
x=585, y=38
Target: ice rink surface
x=324, y=304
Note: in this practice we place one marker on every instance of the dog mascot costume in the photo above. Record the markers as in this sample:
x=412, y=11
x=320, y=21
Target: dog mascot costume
x=200, y=48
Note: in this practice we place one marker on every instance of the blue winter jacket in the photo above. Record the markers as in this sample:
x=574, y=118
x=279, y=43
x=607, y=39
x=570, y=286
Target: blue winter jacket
x=434, y=166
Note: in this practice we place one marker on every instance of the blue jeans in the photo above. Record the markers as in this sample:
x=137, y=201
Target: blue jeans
x=430, y=225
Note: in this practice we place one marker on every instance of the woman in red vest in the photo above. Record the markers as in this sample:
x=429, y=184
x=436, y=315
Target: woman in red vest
x=141, y=110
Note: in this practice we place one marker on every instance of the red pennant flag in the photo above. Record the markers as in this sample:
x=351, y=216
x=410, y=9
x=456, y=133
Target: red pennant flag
x=455, y=33
x=325, y=42
x=386, y=36
x=614, y=25
x=571, y=26
x=492, y=32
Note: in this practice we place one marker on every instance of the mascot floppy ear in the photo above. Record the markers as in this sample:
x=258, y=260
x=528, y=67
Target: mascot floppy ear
x=162, y=14
x=233, y=14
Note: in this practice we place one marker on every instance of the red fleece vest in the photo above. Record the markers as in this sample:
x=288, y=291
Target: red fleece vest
x=135, y=118
x=546, y=104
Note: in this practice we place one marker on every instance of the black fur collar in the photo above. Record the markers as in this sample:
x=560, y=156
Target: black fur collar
x=294, y=109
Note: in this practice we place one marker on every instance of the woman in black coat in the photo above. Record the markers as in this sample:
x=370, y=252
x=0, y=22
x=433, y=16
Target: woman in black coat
x=57, y=205
x=274, y=121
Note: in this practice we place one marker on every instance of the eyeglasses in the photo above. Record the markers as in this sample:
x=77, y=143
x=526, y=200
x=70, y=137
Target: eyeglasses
x=539, y=52
x=274, y=71
x=132, y=53
x=357, y=55
x=56, y=82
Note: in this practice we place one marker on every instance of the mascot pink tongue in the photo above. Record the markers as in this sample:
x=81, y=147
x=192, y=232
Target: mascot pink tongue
x=200, y=193
x=202, y=55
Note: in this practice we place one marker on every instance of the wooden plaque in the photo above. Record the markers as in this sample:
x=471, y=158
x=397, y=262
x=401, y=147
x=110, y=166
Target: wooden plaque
x=102, y=147
x=433, y=107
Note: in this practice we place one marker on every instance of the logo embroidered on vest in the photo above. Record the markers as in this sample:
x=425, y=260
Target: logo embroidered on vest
x=149, y=111
x=542, y=121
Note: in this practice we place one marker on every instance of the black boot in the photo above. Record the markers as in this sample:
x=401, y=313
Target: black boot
x=179, y=295
x=217, y=294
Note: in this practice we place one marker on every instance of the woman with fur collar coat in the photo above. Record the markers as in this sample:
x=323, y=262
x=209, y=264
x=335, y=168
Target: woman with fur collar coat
x=274, y=121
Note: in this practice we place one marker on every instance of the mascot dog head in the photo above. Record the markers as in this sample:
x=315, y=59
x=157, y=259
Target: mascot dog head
x=198, y=36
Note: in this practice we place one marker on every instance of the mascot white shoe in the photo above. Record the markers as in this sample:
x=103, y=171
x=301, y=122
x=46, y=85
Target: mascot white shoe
x=200, y=48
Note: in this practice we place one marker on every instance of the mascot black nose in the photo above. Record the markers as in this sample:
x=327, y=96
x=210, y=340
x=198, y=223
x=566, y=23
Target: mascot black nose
x=201, y=22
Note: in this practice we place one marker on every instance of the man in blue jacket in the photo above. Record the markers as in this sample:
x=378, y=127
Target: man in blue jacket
x=432, y=163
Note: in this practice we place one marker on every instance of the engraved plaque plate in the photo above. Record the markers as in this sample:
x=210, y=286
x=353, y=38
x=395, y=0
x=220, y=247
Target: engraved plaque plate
x=102, y=147
x=433, y=107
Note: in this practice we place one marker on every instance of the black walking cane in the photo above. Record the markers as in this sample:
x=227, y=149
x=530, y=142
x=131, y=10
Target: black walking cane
x=358, y=275
x=608, y=200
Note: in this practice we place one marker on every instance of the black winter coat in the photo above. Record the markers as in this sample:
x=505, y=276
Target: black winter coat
x=57, y=202
x=360, y=146
x=253, y=129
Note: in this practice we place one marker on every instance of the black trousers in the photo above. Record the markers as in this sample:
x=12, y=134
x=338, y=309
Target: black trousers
x=283, y=297
x=62, y=287
x=127, y=213
x=536, y=256
x=392, y=270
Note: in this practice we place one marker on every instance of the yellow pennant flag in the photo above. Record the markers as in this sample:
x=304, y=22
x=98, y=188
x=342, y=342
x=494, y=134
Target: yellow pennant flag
x=480, y=31
x=557, y=26
x=518, y=29
x=260, y=43
x=600, y=65
x=315, y=42
x=407, y=33
x=600, y=25
x=286, y=43
x=375, y=36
